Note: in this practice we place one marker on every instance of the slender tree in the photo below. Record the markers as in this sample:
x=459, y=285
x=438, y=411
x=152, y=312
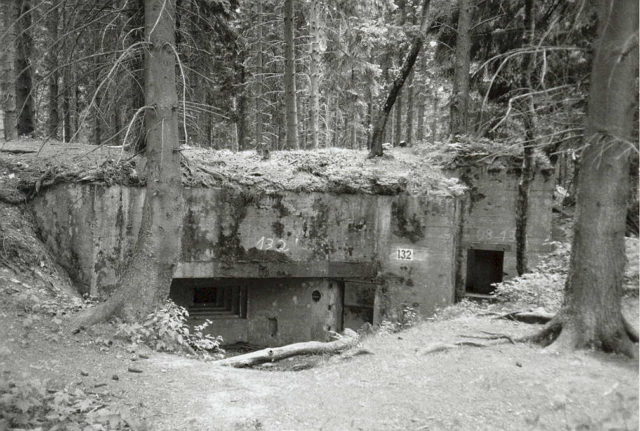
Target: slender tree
x=145, y=282
x=527, y=110
x=459, y=109
x=375, y=144
x=24, y=58
x=291, y=110
x=52, y=64
x=590, y=316
x=8, y=56
x=315, y=71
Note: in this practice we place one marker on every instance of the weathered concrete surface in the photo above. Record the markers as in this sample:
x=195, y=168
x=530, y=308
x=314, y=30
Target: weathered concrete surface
x=412, y=247
x=404, y=243
x=489, y=219
x=226, y=234
x=418, y=266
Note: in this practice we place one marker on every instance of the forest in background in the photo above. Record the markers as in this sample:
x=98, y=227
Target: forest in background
x=72, y=70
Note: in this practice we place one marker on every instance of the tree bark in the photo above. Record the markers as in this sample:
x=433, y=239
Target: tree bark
x=410, y=111
x=397, y=129
x=291, y=110
x=145, y=281
x=591, y=314
x=527, y=110
x=241, y=104
x=434, y=118
x=315, y=71
x=459, y=110
x=24, y=81
x=379, y=125
x=260, y=77
x=8, y=53
x=52, y=64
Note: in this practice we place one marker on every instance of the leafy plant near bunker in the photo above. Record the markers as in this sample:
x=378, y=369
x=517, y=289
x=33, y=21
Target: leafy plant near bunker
x=167, y=330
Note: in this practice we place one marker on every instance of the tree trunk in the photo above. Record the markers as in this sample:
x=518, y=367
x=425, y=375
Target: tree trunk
x=397, y=129
x=434, y=118
x=67, y=128
x=528, y=116
x=290, y=77
x=459, y=111
x=145, y=282
x=241, y=104
x=378, y=129
x=327, y=121
x=8, y=53
x=591, y=315
x=315, y=71
x=410, y=111
x=24, y=81
x=422, y=102
x=260, y=78
x=52, y=64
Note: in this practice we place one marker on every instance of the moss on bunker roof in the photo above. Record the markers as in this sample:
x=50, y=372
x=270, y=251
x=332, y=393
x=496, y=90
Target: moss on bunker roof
x=332, y=170
x=30, y=165
x=477, y=152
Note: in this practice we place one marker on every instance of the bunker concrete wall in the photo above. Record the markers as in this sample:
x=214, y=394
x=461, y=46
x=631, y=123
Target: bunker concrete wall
x=427, y=228
x=225, y=234
x=489, y=220
x=406, y=244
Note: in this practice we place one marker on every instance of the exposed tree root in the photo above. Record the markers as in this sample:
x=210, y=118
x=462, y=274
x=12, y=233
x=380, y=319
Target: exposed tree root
x=632, y=331
x=491, y=336
x=93, y=315
x=443, y=347
x=559, y=335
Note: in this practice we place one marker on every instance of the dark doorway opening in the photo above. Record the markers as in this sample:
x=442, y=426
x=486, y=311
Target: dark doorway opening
x=358, y=303
x=484, y=267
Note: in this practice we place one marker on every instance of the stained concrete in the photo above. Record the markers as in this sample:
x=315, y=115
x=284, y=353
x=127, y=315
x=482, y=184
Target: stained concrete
x=489, y=218
x=402, y=243
x=412, y=249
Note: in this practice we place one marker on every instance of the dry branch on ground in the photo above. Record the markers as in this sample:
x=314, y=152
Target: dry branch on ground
x=348, y=339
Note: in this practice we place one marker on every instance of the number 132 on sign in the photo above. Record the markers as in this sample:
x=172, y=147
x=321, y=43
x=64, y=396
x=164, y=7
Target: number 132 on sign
x=404, y=254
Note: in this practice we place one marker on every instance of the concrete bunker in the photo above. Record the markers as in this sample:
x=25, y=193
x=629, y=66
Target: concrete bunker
x=271, y=265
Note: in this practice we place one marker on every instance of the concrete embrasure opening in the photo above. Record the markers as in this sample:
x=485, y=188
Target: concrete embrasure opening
x=484, y=267
x=209, y=299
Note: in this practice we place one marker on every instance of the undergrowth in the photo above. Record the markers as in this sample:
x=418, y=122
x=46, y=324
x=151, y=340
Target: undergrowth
x=167, y=330
x=31, y=403
x=541, y=288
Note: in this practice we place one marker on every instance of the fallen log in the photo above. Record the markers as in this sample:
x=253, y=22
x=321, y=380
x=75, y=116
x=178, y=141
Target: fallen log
x=348, y=339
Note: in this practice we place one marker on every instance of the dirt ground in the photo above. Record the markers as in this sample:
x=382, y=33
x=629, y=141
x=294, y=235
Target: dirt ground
x=394, y=386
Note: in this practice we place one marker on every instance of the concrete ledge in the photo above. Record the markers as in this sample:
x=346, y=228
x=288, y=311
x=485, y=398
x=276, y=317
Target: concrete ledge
x=276, y=270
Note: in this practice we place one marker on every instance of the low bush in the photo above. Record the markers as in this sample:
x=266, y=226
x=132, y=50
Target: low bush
x=167, y=330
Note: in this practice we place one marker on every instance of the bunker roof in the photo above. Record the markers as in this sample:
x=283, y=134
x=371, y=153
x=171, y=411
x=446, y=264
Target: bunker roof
x=477, y=152
x=29, y=165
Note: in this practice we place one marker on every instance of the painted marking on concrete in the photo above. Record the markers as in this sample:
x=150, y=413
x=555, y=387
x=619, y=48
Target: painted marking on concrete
x=277, y=244
x=404, y=254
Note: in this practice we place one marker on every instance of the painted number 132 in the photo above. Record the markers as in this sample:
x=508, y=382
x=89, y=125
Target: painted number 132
x=404, y=254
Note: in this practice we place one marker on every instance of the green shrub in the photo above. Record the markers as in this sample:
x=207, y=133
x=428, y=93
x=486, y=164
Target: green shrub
x=167, y=330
